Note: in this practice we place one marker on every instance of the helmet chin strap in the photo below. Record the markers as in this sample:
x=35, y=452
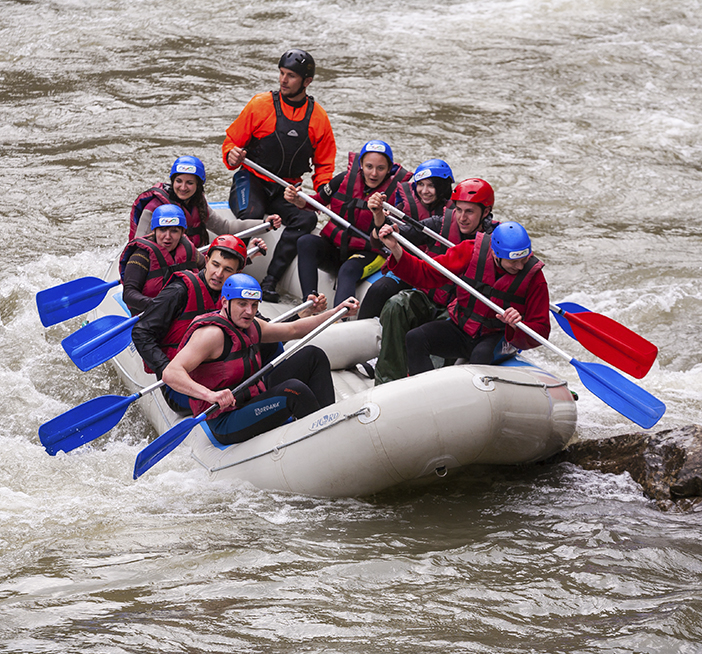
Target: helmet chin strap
x=227, y=312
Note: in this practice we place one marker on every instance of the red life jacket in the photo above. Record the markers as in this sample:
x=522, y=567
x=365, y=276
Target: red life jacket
x=350, y=202
x=449, y=230
x=163, y=194
x=199, y=301
x=240, y=359
x=287, y=151
x=469, y=313
x=162, y=263
x=408, y=202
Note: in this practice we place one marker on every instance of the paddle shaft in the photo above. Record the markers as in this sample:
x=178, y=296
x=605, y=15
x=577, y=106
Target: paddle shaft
x=311, y=201
x=416, y=224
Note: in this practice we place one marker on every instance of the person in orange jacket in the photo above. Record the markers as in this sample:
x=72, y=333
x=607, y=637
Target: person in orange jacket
x=283, y=131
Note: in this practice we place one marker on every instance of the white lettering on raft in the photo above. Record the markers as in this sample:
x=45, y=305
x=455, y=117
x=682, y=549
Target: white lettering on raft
x=324, y=421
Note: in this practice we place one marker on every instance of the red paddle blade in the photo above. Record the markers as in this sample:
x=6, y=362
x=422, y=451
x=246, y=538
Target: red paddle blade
x=613, y=343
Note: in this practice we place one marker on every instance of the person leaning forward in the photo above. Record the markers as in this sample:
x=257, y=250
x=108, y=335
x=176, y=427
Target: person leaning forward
x=282, y=131
x=188, y=294
x=503, y=268
x=221, y=349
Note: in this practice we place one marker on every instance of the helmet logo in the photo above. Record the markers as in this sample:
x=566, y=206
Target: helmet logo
x=519, y=254
x=422, y=174
x=375, y=147
x=186, y=168
x=250, y=294
x=293, y=133
x=168, y=221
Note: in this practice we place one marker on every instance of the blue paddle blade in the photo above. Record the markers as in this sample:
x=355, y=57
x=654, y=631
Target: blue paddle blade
x=84, y=423
x=622, y=395
x=99, y=341
x=71, y=299
x=567, y=307
x=165, y=444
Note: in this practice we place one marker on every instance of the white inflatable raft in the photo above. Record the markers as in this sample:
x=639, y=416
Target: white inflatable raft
x=374, y=438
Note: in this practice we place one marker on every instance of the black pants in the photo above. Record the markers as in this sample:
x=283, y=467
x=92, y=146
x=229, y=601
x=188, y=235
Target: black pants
x=378, y=294
x=267, y=198
x=316, y=252
x=297, y=387
x=445, y=339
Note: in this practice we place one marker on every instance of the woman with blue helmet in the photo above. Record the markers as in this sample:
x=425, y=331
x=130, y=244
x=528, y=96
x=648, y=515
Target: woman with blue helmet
x=429, y=191
x=148, y=262
x=187, y=191
x=370, y=172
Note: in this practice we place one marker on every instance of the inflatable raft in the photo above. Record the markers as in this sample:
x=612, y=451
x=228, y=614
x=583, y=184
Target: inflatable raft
x=373, y=438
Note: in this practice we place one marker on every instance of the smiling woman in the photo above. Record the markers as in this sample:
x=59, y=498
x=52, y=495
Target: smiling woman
x=187, y=191
x=147, y=263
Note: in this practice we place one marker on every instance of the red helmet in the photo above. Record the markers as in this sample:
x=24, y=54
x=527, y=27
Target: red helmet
x=474, y=190
x=232, y=244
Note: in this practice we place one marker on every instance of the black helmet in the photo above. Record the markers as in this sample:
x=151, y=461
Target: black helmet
x=298, y=61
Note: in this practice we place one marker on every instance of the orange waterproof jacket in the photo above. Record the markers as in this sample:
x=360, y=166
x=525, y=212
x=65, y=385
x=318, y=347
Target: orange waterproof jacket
x=257, y=120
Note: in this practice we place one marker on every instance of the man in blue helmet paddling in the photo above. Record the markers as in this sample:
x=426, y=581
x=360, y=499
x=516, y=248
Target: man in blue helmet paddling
x=503, y=268
x=222, y=348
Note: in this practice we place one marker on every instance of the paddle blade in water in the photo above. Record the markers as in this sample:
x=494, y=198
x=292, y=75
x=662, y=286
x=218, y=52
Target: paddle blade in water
x=99, y=341
x=621, y=394
x=71, y=299
x=164, y=444
x=83, y=423
x=614, y=343
x=562, y=321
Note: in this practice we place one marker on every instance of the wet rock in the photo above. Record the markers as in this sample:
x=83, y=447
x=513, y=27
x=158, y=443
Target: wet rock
x=667, y=464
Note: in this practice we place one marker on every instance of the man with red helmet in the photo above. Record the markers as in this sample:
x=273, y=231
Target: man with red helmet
x=469, y=214
x=188, y=294
x=283, y=131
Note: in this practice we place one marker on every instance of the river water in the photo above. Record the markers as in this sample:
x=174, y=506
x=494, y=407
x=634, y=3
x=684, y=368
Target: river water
x=585, y=117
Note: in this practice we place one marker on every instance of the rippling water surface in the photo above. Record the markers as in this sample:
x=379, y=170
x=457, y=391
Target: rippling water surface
x=585, y=117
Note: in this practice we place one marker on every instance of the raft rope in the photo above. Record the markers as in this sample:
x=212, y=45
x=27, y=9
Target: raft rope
x=277, y=448
x=486, y=379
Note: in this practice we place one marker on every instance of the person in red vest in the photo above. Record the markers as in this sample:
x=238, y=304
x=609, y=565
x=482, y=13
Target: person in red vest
x=283, y=131
x=221, y=349
x=187, y=295
x=350, y=253
x=187, y=191
x=148, y=262
x=469, y=214
x=504, y=269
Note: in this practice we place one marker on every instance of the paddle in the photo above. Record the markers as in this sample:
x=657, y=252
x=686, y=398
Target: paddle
x=603, y=336
x=609, y=340
x=617, y=391
x=311, y=201
x=104, y=338
x=559, y=312
x=169, y=440
x=416, y=224
x=96, y=417
x=70, y=299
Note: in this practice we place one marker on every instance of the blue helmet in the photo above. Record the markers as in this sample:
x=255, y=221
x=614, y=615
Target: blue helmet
x=242, y=287
x=168, y=215
x=381, y=147
x=433, y=168
x=189, y=165
x=510, y=241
